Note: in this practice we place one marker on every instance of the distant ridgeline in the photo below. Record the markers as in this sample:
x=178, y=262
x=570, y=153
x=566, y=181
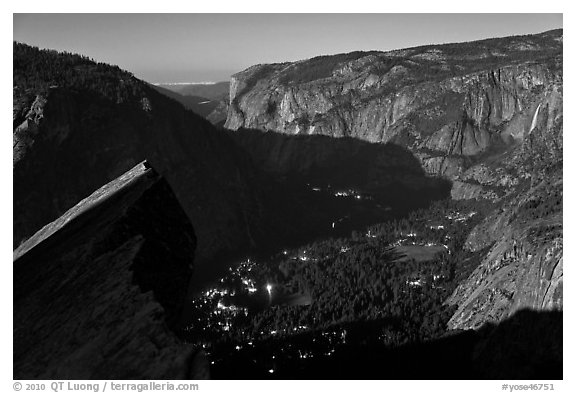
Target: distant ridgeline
x=209, y=100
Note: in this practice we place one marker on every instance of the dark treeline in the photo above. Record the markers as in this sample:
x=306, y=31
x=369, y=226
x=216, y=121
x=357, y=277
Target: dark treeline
x=36, y=71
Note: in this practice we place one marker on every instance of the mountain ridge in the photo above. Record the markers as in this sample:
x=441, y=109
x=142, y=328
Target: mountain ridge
x=79, y=124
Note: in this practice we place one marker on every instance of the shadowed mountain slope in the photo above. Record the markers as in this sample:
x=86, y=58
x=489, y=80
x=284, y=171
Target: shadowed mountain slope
x=528, y=345
x=97, y=291
x=79, y=124
x=304, y=174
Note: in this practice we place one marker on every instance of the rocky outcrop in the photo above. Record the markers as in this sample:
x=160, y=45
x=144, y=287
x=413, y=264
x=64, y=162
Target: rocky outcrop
x=524, y=264
x=523, y=267
x=453, y=106
x=217, y=116
x=97, y=291
x=74, y=136
x=27, y=128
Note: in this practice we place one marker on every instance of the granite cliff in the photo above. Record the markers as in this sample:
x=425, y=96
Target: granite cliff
x=458, y=107
x=486, y=115
x=98, y=291
x=524, y=264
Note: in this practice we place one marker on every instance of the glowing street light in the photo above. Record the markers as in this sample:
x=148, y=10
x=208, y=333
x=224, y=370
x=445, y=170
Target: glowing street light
x=269, y=289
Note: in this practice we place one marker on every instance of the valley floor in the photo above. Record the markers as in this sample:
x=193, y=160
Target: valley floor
x=385, y=286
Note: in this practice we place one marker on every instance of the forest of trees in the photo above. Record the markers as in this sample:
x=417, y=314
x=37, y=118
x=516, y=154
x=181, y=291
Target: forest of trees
x=319, y=67
x=358, y=280
x=36, y=71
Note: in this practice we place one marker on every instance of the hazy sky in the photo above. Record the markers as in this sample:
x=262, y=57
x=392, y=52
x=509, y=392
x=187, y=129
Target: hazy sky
x=211, y=47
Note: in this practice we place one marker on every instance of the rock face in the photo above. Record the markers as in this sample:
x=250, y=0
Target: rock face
x=524, y=264
x=523, y=268
x=487, y=115
x=78, y=125
x=341, y=162
x=454, y=106
x=97, y=290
